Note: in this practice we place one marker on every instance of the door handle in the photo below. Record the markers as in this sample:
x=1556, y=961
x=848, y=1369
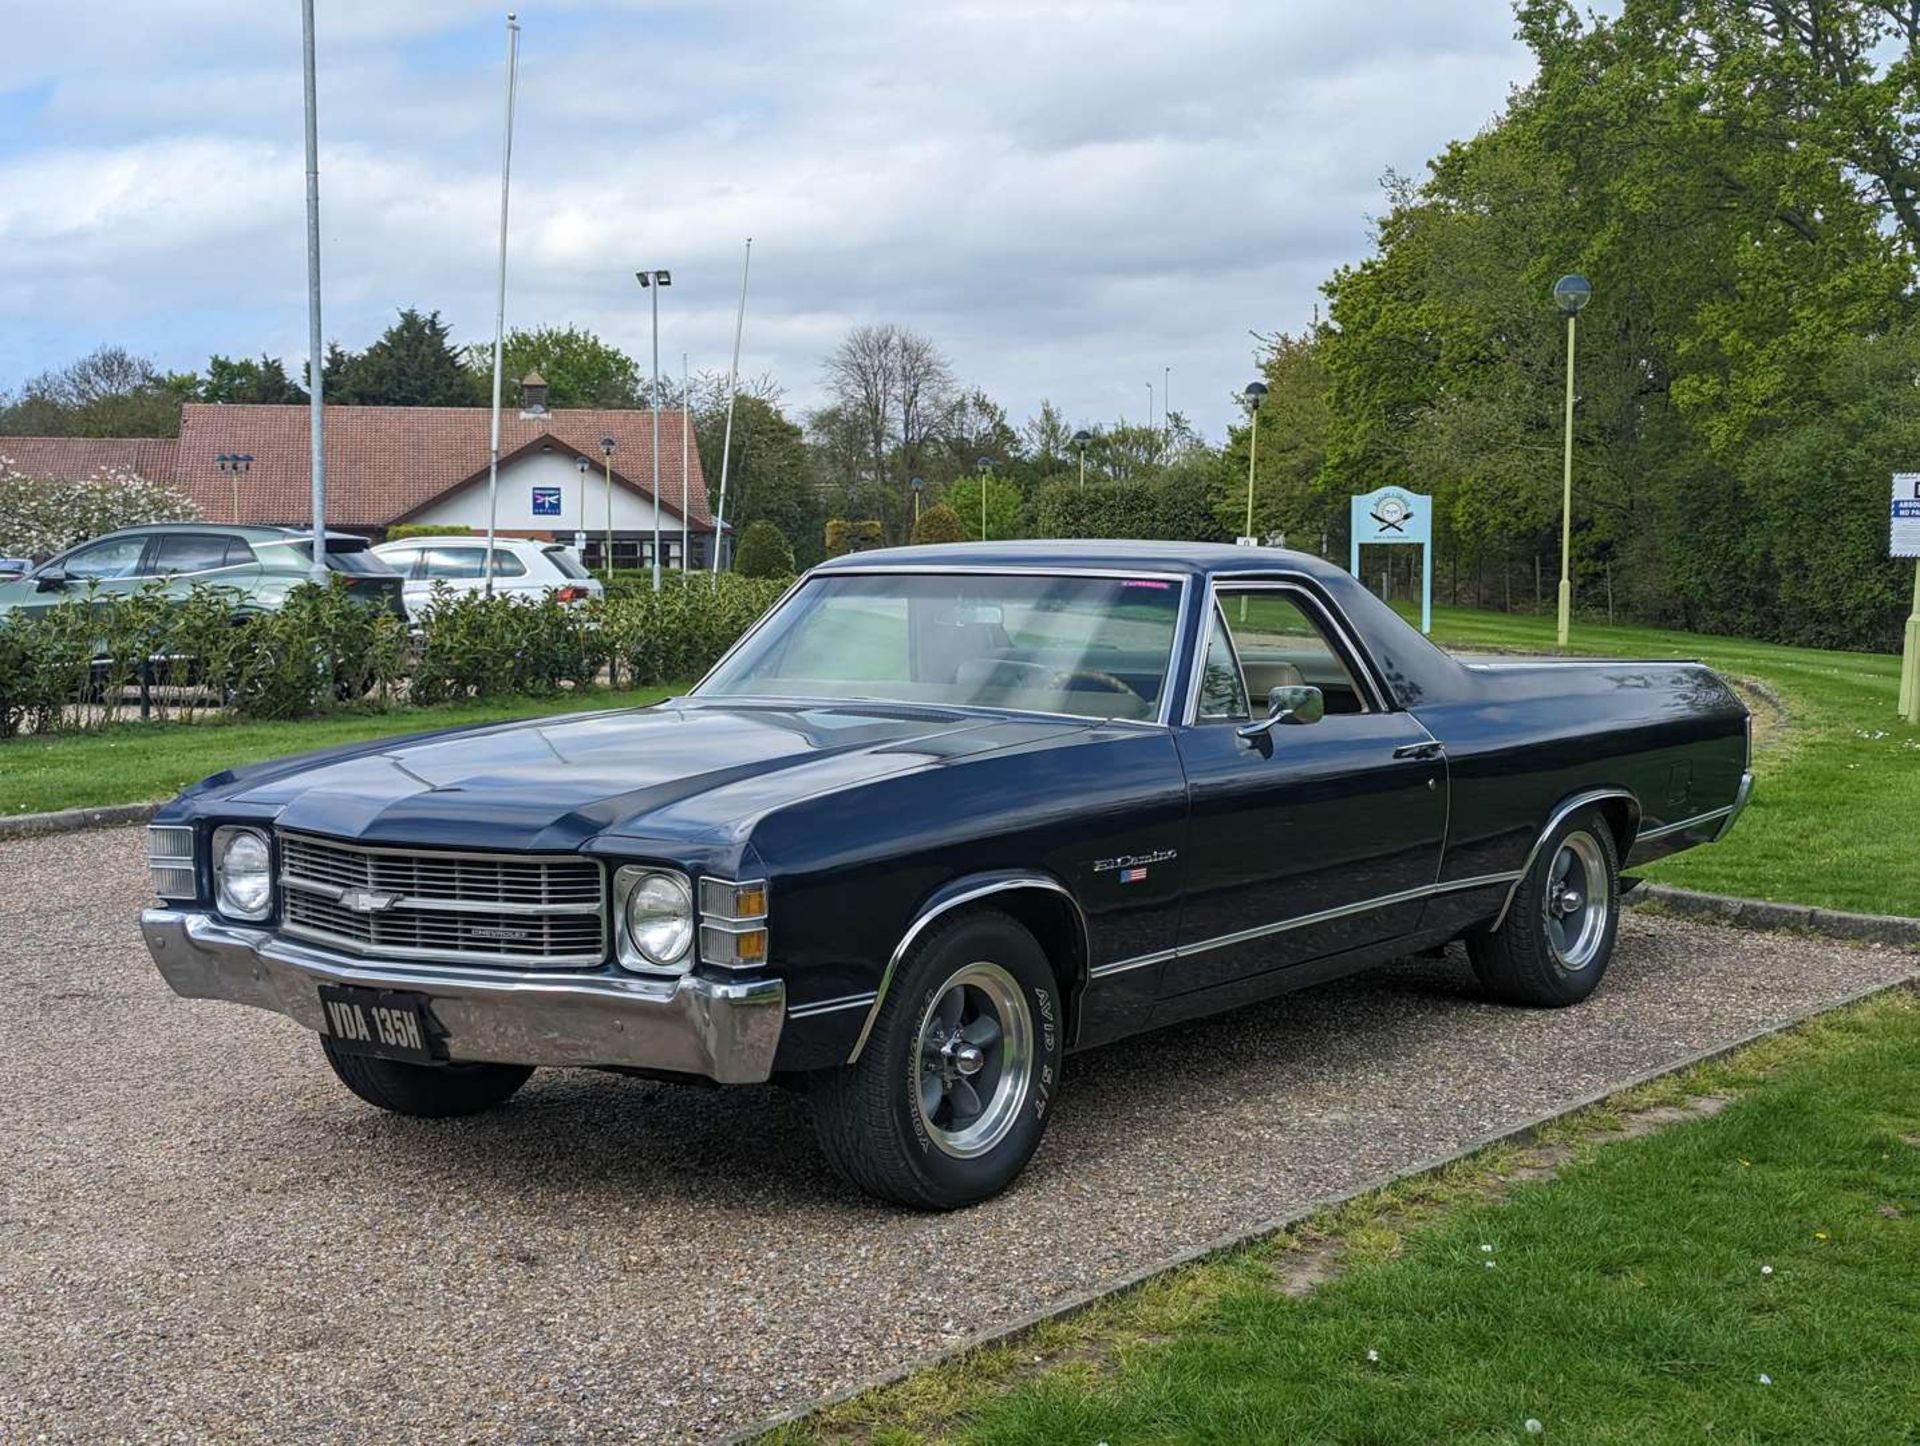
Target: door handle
x=1429, y=749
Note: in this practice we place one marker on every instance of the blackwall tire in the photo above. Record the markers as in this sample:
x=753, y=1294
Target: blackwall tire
x=950, y=1097
x=1554, y=946
x=429, y=1091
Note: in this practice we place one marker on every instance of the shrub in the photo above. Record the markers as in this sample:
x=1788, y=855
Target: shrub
x=764, y=551
x=1169, y=509
x=681, y=631
x=475, y=646
x=939, y=523
x=40, y=516
x=844, y=536
x=426, y=529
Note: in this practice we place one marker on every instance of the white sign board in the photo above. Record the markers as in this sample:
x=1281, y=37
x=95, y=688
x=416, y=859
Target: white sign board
x=1904, y=525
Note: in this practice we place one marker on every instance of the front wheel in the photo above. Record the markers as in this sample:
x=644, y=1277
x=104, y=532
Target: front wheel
x=1557, y=939
x=431, y=1091
x=950, y=1097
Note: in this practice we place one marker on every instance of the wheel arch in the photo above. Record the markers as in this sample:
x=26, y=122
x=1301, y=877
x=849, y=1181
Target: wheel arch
x=1038, y=901
x=1618, y=806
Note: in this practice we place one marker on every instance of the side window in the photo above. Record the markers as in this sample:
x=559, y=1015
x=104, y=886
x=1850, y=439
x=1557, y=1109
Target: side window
x=116, y=557
x=1281, y=639
x=190, y=552
x=455, y=563
x=1223, y=691
x=505, y=564
x=401, y=559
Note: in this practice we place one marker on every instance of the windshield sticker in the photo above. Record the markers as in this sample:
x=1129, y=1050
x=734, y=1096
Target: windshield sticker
x=1146, y=582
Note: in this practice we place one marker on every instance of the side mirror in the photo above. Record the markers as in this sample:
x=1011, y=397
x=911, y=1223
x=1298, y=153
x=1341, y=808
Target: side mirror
x=50, y=579
x=1294, y=703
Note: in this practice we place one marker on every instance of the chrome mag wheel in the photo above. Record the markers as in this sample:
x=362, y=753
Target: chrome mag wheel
x=1578, y=897
x=974, y=1057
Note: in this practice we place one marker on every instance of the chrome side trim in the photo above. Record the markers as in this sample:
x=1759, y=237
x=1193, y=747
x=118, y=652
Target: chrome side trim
x=831, y=1006
x=1559, y=816
x=966, y=894
x=1300, y=921
x=1683, y=825
x=1185, y=582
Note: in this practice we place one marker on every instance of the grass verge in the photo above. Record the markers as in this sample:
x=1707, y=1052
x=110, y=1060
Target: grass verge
x=1748, y=1276
x=1832, y=785
x=137, y=762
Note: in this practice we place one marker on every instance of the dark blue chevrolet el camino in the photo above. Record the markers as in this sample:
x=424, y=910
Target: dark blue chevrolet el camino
x=943, y=817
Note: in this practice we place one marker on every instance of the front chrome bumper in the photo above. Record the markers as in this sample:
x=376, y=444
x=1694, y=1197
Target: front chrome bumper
x=725, y=1030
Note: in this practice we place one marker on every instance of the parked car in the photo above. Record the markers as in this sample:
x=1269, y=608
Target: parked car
x=521, y=567
x=262, y=564
x=942, y=817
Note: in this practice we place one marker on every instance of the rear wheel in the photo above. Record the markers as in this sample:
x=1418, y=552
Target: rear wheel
x=431, y=1091
x=950, y=1096
x=1557, y=939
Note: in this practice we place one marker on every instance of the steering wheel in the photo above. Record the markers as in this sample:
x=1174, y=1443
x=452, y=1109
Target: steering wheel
x=1103, y=682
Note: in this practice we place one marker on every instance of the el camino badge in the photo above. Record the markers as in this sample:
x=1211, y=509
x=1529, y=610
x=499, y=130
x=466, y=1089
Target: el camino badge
x=1132, y=868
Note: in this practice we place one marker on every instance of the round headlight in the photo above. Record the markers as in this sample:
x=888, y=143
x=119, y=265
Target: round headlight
x=659, y=919
x=243, y=873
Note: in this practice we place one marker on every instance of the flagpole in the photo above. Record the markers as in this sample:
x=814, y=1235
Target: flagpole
x=316, y=379
x=500, y=302
x=686, y=482
x=733, y=390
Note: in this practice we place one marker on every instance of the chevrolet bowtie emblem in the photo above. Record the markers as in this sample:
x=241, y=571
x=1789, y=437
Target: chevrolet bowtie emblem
x=367, y=901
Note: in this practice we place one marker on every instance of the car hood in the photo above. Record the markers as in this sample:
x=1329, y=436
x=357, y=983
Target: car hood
x=677, y=771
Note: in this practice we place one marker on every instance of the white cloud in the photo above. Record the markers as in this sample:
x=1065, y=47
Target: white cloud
x=1068, y=197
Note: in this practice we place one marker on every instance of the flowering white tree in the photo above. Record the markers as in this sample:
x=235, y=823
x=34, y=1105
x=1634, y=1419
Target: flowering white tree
x=40, y=516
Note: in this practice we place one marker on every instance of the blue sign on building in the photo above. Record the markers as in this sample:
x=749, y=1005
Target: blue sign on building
x=546, y=502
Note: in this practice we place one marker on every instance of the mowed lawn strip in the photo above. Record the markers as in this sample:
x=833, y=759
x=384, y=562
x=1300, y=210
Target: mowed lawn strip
x=1836, y=789
x=140, y=762
x=1627, y=1298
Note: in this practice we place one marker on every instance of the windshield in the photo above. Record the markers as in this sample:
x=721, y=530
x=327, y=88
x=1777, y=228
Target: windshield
x=1096, y=647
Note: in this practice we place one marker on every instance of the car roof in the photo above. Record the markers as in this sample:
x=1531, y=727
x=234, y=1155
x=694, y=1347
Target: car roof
x=252, y=532
x=415, y=540
x=1199, y=559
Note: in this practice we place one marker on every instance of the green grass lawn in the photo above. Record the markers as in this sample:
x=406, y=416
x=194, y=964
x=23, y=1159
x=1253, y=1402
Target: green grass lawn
x=1837, y=788
x=135, y=762
x=1625, y=1299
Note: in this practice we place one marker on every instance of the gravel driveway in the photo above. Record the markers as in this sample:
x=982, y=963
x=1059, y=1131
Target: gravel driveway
x=203, y=1235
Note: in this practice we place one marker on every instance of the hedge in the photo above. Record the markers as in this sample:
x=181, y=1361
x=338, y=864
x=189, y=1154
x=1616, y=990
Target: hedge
x=87, y=661
x=764, y=551
x=1171, y=509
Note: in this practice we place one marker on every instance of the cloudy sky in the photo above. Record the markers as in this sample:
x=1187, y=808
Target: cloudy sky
x=1068, y=197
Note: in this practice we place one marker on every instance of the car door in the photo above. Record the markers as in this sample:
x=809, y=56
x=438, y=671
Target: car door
x=115, y=566
x=1306, y=839
x=462, y=569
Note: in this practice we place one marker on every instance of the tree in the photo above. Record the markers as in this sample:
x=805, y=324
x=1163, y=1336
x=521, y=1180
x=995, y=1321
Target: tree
x=894, y=386
x=1003, y=506
x=770, y=473
x=1288, y=493
x=580, y=369
x=764, y=552
x=247, y=382
x=413, y=364
x=939, y=523
x=110, y=392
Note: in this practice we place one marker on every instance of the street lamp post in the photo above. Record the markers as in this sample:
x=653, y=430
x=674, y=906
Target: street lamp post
x=653, y=281
x=1255, y=393
x=1570, y=293
x=233, y=464
x=917, y=485
x=580, y=465
x=984, y=466
x=606, y=451
x=1080, y=440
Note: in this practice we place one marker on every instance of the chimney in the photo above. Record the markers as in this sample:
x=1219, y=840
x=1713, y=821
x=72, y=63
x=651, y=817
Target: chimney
x=533, y=395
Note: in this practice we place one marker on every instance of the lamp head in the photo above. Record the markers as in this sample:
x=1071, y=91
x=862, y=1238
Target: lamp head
x=606, y=446
x=1571, y=293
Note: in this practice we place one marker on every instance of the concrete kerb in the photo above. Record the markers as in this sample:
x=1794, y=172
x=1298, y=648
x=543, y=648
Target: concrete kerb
x=72, y=820
x=1518, y=1134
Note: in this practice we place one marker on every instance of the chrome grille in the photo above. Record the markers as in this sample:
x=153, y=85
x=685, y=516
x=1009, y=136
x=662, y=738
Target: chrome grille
x=468, y=908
